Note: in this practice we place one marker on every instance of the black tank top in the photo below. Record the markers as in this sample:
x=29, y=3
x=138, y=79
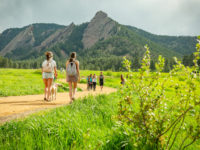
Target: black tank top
x=101, y=78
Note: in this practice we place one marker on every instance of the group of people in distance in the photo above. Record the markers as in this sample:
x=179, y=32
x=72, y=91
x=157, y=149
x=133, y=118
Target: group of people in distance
x=92, y=81
x=49, y=73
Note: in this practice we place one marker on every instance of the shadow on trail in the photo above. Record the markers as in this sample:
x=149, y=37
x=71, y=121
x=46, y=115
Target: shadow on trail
x=16, y=102
x=42, y=103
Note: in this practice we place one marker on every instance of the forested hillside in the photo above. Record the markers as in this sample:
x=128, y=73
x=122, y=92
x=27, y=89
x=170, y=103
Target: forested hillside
x=181, y=44
x=100, y=44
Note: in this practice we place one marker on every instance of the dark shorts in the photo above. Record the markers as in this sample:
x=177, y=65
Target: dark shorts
x=101, y=83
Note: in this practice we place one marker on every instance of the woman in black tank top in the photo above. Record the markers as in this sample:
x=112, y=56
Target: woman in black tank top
x=101, y=80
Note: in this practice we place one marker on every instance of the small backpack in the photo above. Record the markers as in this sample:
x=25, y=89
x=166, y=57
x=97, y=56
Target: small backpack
x=48, y=67
x=71, y=69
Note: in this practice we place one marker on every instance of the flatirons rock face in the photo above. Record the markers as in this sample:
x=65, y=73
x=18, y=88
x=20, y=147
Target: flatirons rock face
x=59, y=36
x=22, y=43
x=100, y=27
x=23, y=39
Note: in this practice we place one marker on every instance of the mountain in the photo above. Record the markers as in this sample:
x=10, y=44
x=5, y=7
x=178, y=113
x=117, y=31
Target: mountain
x=100, y=43
x=181, y=44
x=99, y=28
x=16, y=43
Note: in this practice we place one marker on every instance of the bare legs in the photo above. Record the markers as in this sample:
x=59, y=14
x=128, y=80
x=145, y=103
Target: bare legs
x=49, y=82
x=47, y=88
x=101, y=88
x=72, y=92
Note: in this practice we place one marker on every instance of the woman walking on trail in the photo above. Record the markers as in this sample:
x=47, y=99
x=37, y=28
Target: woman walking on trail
x=90, y=82
x=94, y=80
x=101, y=80
x=122, y=79
x=73, y=75
x=48, y=73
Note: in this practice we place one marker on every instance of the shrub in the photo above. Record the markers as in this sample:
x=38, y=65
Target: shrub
x=156, y=118
x=109, y=73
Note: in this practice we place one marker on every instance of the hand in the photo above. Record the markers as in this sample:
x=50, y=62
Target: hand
x=55, y=75
x=79, y=79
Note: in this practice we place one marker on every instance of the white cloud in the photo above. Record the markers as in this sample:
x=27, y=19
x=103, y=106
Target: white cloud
x=172, y=17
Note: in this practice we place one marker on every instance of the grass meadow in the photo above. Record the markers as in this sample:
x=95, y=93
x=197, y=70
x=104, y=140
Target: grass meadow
x=87, y=124
x=15, y=82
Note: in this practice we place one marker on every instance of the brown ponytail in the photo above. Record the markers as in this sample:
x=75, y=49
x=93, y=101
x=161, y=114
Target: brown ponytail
x=72, y=57
x=48, y=55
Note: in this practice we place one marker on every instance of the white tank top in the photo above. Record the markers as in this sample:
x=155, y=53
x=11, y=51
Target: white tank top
x=94, y=79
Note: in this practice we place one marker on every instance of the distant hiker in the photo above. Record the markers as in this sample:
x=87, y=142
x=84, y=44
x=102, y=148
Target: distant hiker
x=122, y=79
x=94, y=81
x=101, y=80
x=73, y=75
x=61, y=70
x=48, y=74
x=90, y=82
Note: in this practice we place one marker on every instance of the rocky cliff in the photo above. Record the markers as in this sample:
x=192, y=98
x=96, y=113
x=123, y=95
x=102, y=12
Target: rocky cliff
x=59, y=36
x=24, y=39
x=101, y=27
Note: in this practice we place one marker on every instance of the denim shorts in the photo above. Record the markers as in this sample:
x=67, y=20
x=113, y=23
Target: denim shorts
x=47, y=75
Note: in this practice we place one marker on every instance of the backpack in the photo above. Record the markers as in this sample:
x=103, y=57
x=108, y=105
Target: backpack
x=48, y=67
x=71, y=69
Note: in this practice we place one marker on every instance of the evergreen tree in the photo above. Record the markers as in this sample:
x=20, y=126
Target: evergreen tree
x=152, y=65
x=167, y=66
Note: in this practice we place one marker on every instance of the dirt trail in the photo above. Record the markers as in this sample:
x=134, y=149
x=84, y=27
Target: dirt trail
x=14, y=107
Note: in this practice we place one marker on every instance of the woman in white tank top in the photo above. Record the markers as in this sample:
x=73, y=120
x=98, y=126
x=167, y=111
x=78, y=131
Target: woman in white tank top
x=94, y=80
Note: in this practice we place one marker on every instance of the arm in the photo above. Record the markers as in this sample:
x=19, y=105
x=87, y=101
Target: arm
x=55, y=72
x=42, y=68
x=67, y=65
x=77, y=67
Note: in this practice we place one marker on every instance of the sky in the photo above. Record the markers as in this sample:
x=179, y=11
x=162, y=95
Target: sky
x=163, y=17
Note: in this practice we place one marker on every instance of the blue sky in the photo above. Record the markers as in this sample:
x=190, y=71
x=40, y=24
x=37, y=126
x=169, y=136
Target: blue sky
x=164, y=17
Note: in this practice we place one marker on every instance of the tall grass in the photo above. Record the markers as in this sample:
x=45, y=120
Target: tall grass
x=85, y=124
x=14, y=82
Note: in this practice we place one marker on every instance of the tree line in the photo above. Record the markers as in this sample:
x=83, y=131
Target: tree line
x=113, y=63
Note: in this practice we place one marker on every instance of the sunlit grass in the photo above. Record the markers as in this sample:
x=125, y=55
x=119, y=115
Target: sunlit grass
x=86, y=124
x=83, y=125
x=15, y=82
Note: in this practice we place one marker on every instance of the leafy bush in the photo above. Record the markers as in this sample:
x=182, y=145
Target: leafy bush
x=109, y=73
x=156, y=118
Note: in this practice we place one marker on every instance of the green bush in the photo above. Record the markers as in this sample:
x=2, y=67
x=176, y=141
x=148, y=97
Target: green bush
x=109, y=73
x=156, y=118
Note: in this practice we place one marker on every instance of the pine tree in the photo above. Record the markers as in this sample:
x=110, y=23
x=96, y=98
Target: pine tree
x=167, y=66
x=152, y=65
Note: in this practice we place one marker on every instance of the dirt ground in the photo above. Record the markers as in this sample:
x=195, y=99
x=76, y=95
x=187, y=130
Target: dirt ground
x=14, y=107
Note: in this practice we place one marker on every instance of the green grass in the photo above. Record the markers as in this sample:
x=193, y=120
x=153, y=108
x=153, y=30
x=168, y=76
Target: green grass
x=14, y=82
x=85, y=124
x=20, y=82
x=89, y=124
